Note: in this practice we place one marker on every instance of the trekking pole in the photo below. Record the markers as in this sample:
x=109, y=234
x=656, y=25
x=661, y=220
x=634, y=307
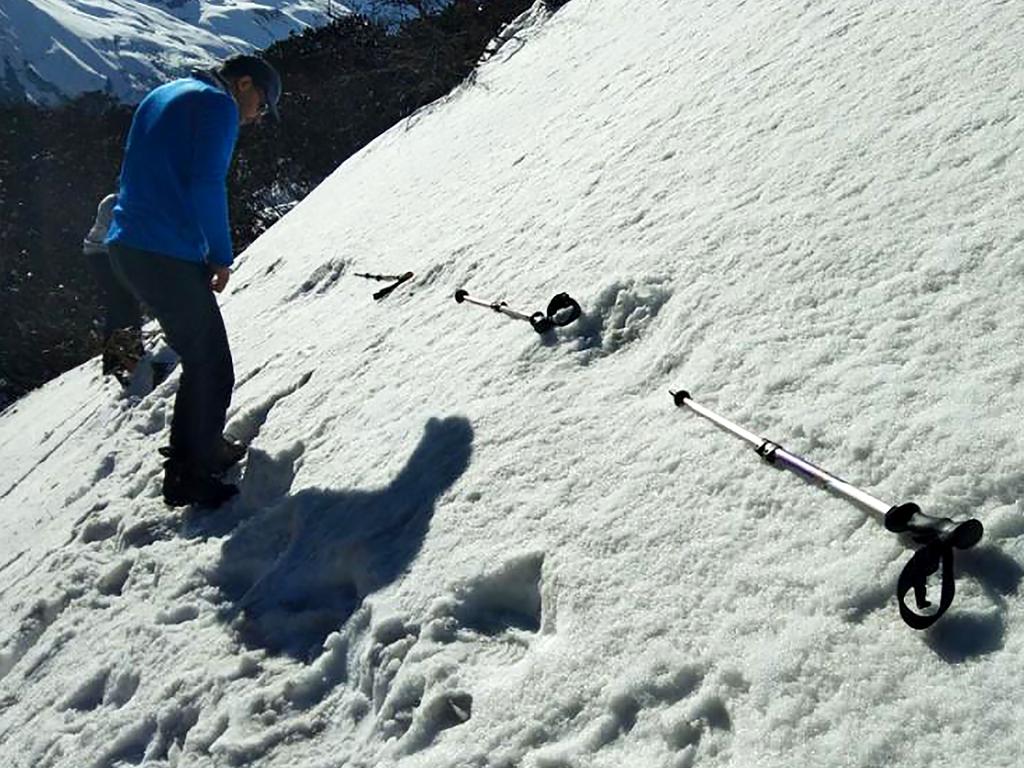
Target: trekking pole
x=383, y=293
x=562, y=310
x=938, y=535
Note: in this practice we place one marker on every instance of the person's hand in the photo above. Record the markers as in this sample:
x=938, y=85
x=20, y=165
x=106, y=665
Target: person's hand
x=219, y=279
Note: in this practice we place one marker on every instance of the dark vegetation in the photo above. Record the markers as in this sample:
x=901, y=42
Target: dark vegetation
x=345, y=84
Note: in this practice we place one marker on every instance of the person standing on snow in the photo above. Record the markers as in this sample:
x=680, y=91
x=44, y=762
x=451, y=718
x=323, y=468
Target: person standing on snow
x=122, y=323
x=170, y=242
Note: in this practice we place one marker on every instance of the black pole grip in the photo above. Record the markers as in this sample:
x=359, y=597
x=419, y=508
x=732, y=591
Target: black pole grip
x=940, y=536
x=383, y=293
x=563, y=309
x=908, y=518
x=926, y=561
x=541, y=323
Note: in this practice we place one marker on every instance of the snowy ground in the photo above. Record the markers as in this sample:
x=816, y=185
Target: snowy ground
x=51, y=50
x=459, y=544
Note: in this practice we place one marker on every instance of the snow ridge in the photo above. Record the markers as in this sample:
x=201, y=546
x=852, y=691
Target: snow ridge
x=52, y=50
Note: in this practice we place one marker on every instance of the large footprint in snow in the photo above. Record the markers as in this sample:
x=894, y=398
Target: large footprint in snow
x=415, y=678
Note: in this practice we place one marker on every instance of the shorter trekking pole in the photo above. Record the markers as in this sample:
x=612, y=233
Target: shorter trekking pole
x=397, y=280
x=562, y=310
x=938, y=535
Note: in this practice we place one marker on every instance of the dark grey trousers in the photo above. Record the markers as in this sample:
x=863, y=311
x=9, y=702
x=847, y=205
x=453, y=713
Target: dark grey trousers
x=178, y=294
x=121, y=308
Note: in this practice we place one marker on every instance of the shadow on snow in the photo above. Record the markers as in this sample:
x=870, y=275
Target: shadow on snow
x=295, y=572
x=963, y=635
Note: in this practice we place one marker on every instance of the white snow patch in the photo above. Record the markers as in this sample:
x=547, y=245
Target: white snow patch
x=462, y=543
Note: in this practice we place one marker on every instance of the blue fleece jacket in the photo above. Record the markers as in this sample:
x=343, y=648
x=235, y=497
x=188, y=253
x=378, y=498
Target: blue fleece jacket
x=173, y=193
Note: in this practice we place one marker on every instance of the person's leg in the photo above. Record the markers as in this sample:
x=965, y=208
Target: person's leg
x=122, y=351
x=122, y=321
x=179, y=295
x=204, y=389
x=121, y=308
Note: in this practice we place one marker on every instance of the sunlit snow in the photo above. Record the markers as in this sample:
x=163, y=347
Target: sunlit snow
x=459, y=543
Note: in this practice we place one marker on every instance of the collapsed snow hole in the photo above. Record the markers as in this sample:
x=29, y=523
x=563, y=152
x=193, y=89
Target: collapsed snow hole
x=508, y=598
x=619, y=315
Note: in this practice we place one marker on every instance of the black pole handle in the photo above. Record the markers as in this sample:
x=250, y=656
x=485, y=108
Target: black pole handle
x=940, y=537
x=924, y=529
x=541, y=323
x=926, y=561
x=383, y=293
x=563, y=309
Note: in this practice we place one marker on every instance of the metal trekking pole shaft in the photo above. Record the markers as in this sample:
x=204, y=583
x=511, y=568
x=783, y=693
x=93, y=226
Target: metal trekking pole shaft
x=462, y=296
x=778, y=456
x=901, y=518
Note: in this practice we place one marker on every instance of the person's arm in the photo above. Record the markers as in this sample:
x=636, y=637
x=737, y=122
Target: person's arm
x=216, y=130
x=219, y=278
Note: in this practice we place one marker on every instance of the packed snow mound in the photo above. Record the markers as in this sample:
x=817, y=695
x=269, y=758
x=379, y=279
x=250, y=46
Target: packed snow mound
x=459, y=542
x=51, y=50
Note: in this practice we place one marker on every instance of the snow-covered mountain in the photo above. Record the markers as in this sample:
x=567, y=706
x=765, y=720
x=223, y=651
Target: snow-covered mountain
x=459, y=543
x=54, y=49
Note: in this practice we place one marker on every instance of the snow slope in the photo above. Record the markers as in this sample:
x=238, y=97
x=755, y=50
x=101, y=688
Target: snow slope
x=459, y=544
x=51, y=50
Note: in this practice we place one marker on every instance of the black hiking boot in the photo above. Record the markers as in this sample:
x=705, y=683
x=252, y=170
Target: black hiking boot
x=183, y=485
x=122, y=351
x=229, y=453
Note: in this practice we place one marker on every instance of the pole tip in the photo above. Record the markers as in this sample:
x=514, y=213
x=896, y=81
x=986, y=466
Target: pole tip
x=460, y=295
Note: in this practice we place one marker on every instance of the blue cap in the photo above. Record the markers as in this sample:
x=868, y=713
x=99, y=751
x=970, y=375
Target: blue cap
x=263, y=76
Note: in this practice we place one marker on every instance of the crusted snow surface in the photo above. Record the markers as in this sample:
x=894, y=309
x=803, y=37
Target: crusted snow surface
x=459, y=543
